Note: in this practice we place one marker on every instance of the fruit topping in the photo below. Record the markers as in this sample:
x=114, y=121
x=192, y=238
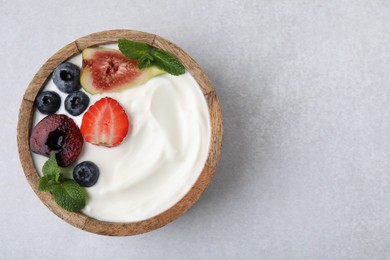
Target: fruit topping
x=48, y=102
x=76, y=103
x=67, y=77
x=86, y=174
x=105, y=123
x=108, y=70
x=57, y=133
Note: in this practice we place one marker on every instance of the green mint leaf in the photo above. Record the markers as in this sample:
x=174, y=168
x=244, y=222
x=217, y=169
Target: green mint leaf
x=51, y=166
x=148, y=56
x=166, y=61
x=145, y=61
x=70, y=195
x=66, y=192
x=48, y=182
x=52, y=175
x=131, y=49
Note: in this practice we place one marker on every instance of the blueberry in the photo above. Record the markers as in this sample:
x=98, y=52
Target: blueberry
x=48, y=102
x=67, y=77
x=86, y=174
x=76, y=103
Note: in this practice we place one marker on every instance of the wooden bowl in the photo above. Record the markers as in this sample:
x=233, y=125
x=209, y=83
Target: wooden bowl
x=78, y=219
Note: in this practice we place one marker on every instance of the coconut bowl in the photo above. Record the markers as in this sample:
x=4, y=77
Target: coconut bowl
x=80, y=220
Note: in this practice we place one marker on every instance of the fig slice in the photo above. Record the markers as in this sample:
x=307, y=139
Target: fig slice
x=108, y=70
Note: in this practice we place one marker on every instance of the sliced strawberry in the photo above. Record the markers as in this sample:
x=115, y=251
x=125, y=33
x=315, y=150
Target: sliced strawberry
x=105, y=123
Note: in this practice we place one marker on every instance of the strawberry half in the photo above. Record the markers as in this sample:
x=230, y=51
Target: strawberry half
x=105, y=123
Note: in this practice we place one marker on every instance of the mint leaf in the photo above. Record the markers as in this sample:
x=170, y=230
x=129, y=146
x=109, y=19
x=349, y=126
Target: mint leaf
x=148, y=56
x=166, y=61
x=66, y=192
x=52, y=174
x=145, y=61
x=131, y=49
x=69, y=195
x=51, y=166
x=47, y=182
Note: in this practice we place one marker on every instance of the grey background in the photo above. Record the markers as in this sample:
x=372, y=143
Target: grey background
x=305, y=91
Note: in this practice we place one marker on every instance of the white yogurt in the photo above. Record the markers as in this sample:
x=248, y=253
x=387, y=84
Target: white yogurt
x=161, y=157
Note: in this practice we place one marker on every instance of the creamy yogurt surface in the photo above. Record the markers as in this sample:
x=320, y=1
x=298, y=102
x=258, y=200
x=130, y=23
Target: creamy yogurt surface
x=161, y=157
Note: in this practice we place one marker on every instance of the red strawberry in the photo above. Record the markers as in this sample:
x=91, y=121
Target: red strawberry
x=105, y=123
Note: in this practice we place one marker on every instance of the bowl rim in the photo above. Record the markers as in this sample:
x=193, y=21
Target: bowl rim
x=80, y=220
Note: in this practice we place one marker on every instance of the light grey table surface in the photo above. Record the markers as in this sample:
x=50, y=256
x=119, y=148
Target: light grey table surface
x=305, y=94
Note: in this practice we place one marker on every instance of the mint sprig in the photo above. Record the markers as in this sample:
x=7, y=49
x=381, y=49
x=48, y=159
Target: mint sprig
x=148, y=56
x=133, y=50
x=48, y=182
x=69, y=195
x=66, y=192
x=166, y=61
